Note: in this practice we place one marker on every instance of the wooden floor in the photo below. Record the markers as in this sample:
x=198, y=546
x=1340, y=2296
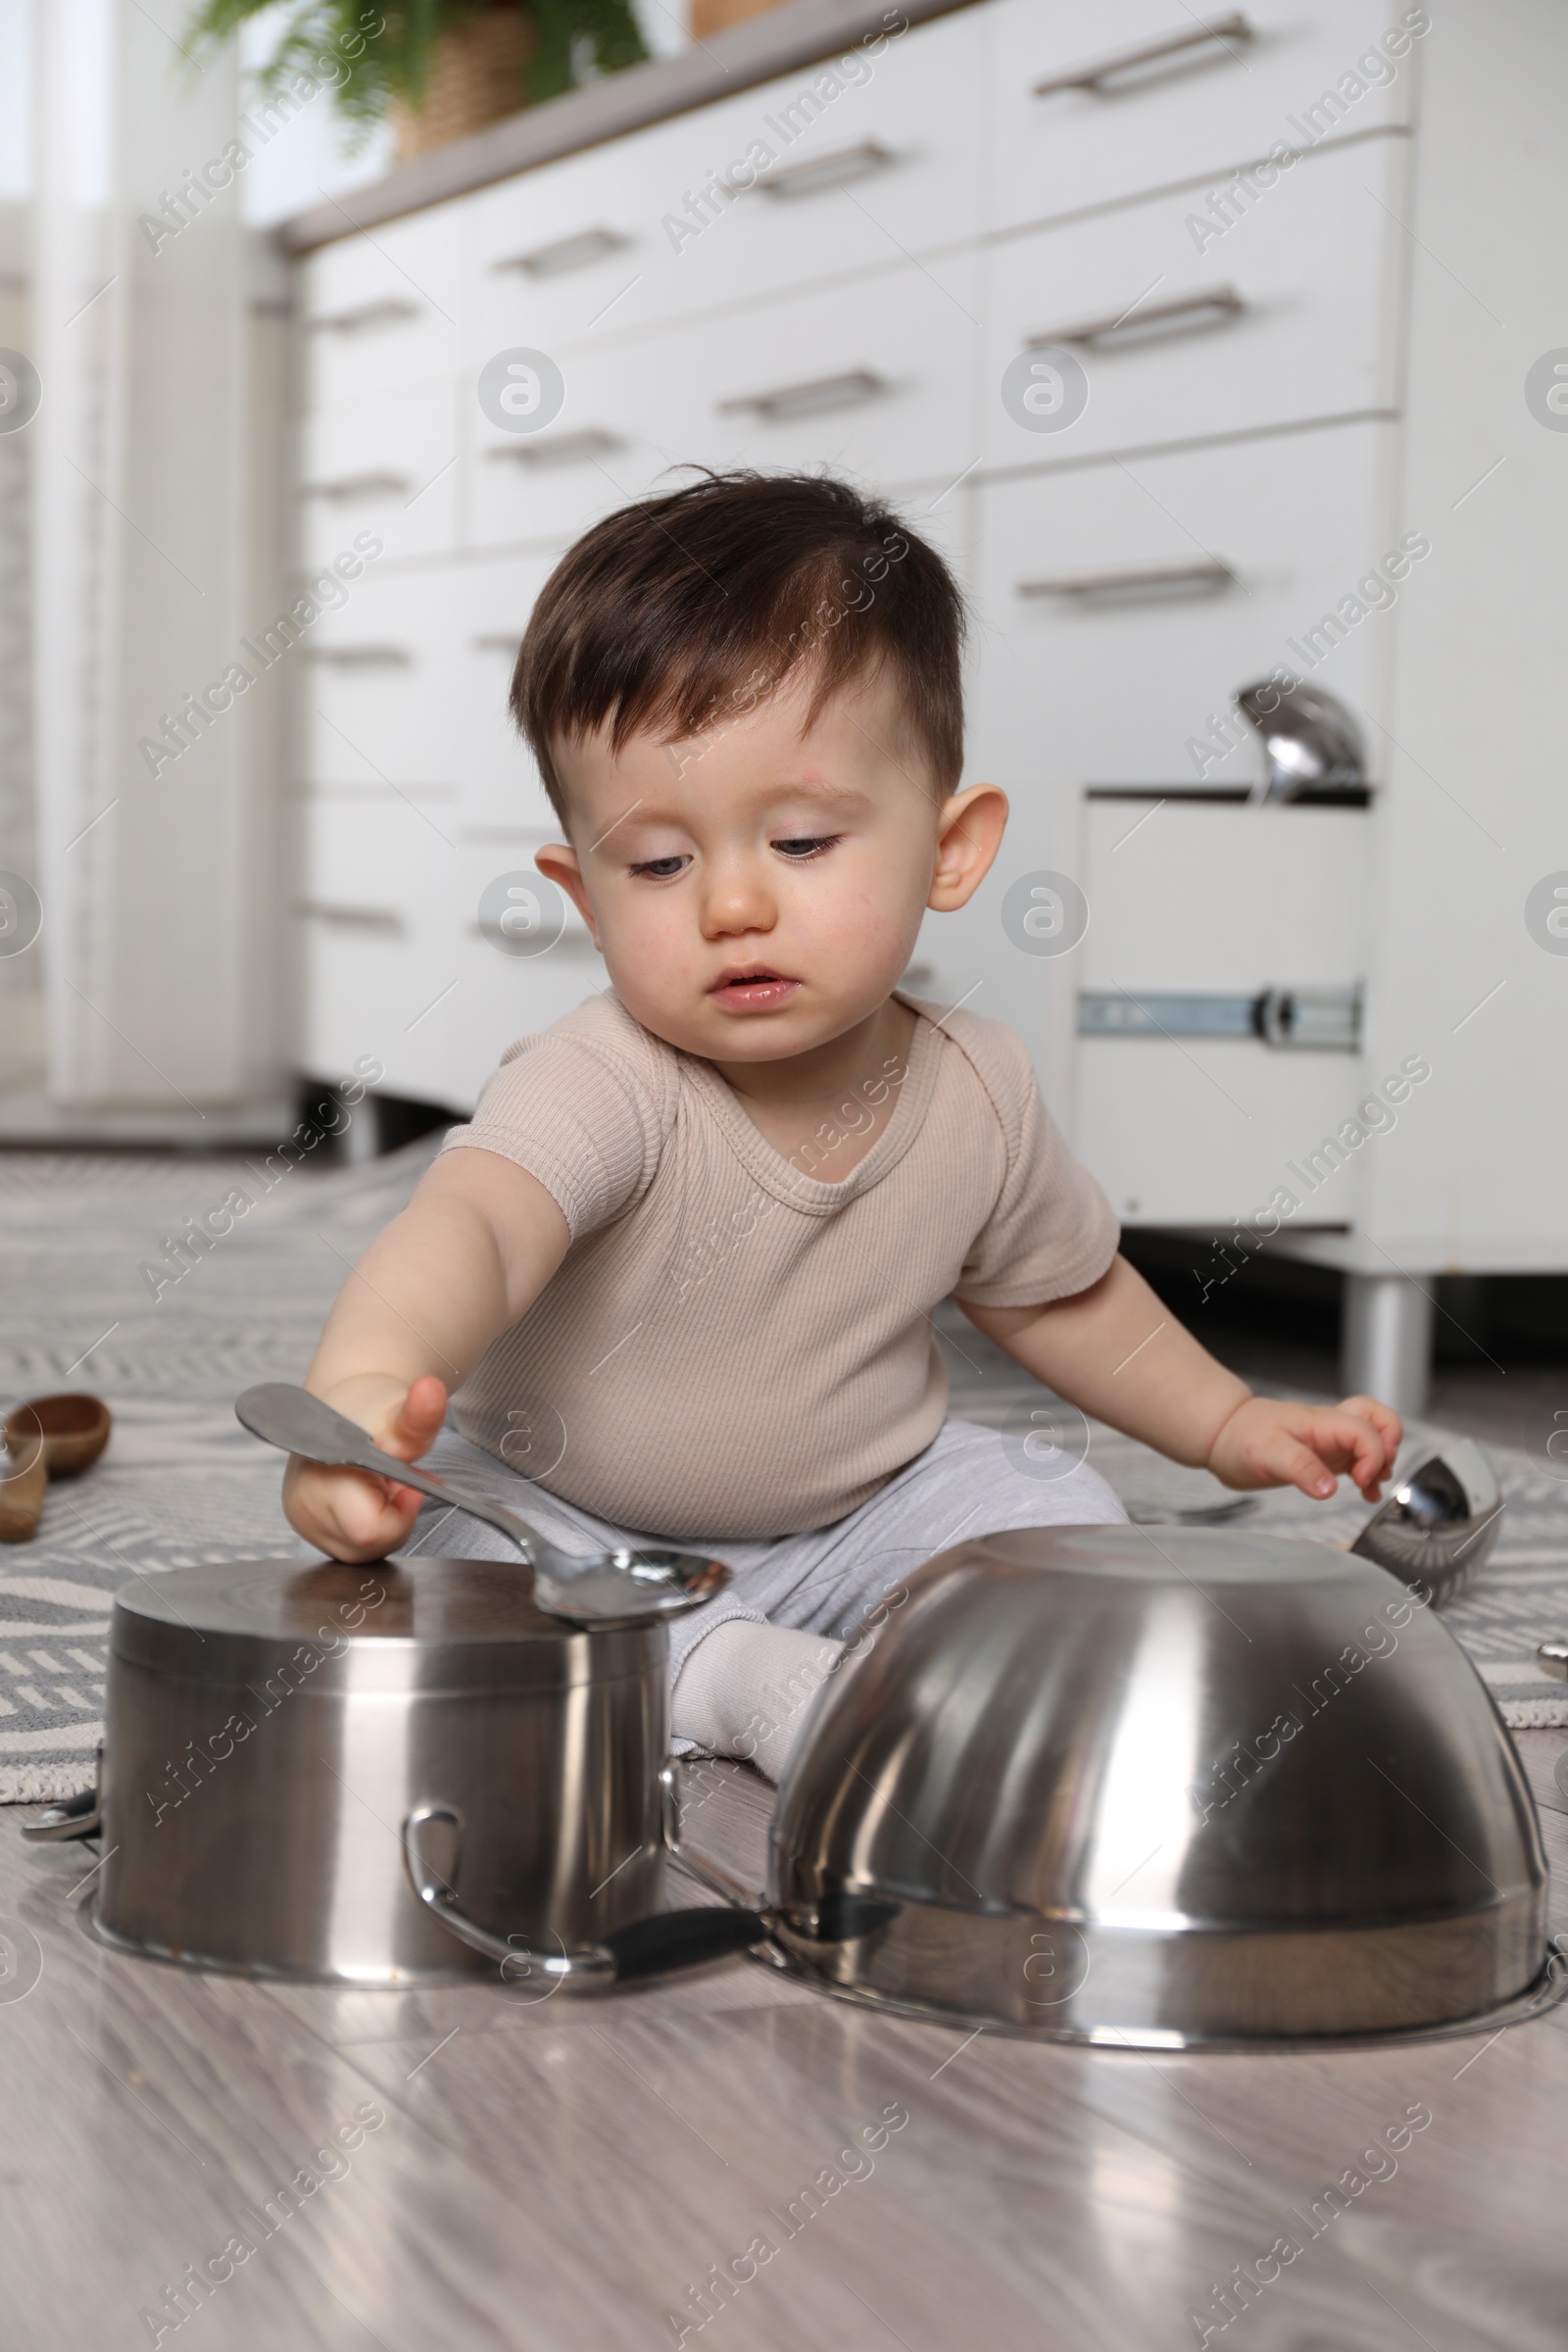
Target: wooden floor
x=560, y=2174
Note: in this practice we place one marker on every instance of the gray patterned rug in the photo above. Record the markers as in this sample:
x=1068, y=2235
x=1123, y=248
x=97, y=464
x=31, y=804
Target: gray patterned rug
x=182, y=1482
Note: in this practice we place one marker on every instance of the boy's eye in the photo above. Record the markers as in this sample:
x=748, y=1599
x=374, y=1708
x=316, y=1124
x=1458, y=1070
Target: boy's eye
x=803, y=846
x=660, y=869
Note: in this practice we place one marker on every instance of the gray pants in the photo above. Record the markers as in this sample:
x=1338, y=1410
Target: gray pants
x=968, y=1482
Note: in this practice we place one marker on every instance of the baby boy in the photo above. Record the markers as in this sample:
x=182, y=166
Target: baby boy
x=680, y=1267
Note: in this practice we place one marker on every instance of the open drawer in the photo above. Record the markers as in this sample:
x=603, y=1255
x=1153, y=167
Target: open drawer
x=1218, y=1012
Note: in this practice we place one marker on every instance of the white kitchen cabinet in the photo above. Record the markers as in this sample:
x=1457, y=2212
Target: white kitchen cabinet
x=1307, y=445
x=635, y=234
x=388, y=466
x=375, y=864
x=487, y=607
x=1229, y=1118
x=1197, y=909
x=380, y=315
x=1097, y=100
x=435, y=1003
x=1288, y=320
x=1126, y=602
x=369, y=703
x=405, y=685
x=875, y=380
x=1221, y=896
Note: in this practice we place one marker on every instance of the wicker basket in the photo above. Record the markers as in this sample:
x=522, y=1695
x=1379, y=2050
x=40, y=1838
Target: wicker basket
x=477, y=77
x=706, y=17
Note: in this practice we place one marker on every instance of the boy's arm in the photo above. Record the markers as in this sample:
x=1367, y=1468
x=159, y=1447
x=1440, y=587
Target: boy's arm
x=1115, y=1351
x=467, y=1257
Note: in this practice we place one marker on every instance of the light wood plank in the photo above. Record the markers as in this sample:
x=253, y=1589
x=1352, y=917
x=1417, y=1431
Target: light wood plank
x=562, y=2173
x=1001, y=2212
x=146, y=2107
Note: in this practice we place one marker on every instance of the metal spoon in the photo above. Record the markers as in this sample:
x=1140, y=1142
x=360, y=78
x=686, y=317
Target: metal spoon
x=625, y=1584
x=1195, y=1514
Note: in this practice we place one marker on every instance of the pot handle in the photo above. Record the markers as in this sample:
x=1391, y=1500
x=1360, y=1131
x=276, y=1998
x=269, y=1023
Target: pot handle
x=77, y=1816
x=432, y=1843
x=707, y=1874
x=652, y=1947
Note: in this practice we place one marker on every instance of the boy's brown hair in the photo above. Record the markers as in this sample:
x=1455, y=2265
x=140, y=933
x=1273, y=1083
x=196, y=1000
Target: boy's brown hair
x=679, y=614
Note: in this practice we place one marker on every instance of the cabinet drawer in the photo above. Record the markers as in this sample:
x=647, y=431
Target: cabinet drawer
x=875, y=381
x=438, y=1007
x=388, y=466
x=486, y=611
x=374, y=867
x=452, y=1048
x=636, y=232
x=1288, y=316
x=1223, y=899
x=406, y=687
x=1215, y=904
x=1204, y=1134
x=1072, y=128
x=367, y=688
x=381, y=316
x=1124, y=604
x=411, y=870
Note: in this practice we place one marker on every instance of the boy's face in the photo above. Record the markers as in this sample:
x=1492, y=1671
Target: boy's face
x=756, y=891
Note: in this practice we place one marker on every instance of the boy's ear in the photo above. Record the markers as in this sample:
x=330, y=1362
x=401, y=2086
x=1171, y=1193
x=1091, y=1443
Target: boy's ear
x=558, y=862
x=969, y=832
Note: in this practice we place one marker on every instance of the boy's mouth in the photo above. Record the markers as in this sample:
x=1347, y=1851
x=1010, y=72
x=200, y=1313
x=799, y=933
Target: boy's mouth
x=753, y=989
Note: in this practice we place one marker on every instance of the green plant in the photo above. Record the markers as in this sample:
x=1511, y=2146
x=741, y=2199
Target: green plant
x=377, y=57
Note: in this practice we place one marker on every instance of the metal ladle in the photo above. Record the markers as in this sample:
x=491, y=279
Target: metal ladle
x=619, y=1585
x=1440, y=1523
x=1313, y=741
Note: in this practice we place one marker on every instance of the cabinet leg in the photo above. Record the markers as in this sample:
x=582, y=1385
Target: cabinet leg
x=361, y=1137
x=1387, y=1349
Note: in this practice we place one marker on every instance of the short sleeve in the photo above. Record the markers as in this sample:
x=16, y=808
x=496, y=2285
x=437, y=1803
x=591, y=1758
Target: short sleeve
x=581, y=1113
x=1052, y=1231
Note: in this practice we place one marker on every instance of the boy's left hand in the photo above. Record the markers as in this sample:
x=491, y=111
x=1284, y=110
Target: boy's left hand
x=1267, y=1443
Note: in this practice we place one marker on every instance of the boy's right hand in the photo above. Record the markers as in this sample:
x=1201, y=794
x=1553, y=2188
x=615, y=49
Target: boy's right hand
x=352, y=1514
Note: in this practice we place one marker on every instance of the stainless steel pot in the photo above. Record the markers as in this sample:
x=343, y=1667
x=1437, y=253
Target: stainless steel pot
x=269, y=1727
x=1172, y=1787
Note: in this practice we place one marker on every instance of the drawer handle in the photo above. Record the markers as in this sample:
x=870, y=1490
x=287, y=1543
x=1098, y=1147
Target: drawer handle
x=1146, y=53
x=1299, y=1021
x=820, y=172
x=361, y=656
x=353, y=486
x=576, y=251
x=385, y=312
x=1183, y=314
x=846, y=391
x=1147, y=580
x=559, y=449
x=497, y=645
x=352, y=918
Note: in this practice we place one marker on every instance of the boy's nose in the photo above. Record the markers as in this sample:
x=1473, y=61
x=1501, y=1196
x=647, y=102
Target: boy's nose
x=737, y=898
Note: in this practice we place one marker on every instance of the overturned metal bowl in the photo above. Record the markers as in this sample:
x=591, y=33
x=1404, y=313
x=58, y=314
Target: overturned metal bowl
x=1172, y=1787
